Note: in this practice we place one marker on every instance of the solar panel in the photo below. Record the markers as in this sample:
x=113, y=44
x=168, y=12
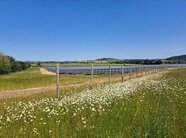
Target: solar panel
x=114, y=69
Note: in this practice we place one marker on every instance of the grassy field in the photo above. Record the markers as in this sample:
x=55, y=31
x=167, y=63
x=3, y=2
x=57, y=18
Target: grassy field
x=25, y=79
x=142, y=107
x=32, y=78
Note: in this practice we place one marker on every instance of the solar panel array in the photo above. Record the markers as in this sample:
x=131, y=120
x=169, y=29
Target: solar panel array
x=114, y=69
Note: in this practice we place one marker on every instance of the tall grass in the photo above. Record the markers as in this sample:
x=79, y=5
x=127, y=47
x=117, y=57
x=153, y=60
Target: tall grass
x=32, y=78
x=144, y=107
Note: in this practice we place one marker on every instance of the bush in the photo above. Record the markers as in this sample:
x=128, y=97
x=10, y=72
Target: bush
x=9, y=64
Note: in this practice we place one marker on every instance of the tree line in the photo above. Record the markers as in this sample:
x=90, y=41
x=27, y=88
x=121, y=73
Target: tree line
x=9, y=64
x=111, y=61
x=149, y=61
x=145, y=61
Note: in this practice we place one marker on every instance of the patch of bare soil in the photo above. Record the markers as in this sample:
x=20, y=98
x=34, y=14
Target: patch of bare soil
x=46, y=72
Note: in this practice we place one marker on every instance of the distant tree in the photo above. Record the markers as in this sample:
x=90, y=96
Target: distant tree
x=146, y=62
x=39, y=64
x=159, y=62
x=9, y=64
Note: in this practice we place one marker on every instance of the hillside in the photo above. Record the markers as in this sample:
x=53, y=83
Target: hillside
x=181, y=57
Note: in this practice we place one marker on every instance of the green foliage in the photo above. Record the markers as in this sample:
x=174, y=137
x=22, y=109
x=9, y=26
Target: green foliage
x=9, y=64
x=150, y=62
x=39, y=64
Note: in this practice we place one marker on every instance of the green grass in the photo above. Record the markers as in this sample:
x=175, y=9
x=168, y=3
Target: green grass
x=32, y=78
x=25, y=79
x=152, y=110
x=50, y=94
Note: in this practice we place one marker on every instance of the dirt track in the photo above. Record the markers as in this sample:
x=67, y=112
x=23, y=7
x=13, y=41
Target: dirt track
x=39, y=90
x=24, y=92
x=33, y=91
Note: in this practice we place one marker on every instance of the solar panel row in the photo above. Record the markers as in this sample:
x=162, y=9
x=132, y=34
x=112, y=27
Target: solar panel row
x=105, y=69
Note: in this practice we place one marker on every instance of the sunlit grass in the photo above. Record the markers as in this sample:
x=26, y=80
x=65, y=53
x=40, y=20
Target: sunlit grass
x=32, y=78
x=149, y=107
x=25, y=79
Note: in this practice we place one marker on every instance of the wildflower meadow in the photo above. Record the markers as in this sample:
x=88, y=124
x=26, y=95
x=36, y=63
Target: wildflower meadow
x=149, y=106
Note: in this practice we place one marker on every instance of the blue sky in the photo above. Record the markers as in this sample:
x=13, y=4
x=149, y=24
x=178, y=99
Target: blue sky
x=89, y=29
